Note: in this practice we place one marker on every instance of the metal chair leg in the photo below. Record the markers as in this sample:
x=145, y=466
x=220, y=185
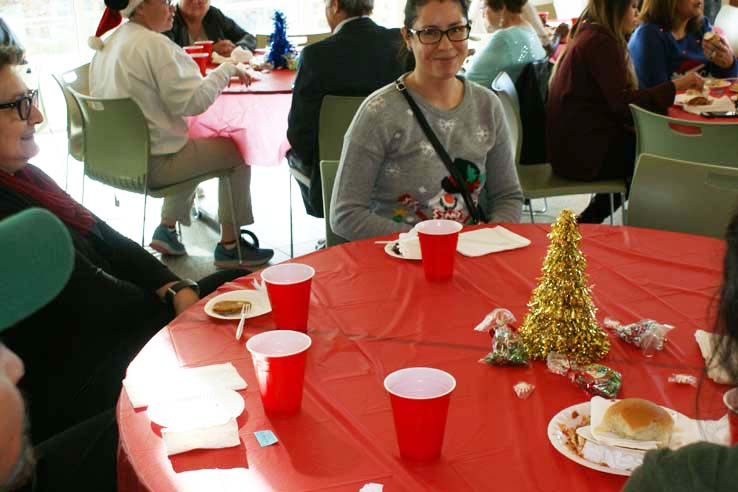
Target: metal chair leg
x=236, y=229
x=530, y=210
x=292, y=238
x=625, y=210
x=143, y=227
x=612, y=208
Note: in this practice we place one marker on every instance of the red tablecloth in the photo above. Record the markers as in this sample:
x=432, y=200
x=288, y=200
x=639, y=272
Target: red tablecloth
x=372, y=314
x=256, y=120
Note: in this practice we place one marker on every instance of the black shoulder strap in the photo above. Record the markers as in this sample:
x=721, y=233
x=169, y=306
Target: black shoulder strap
x=476, y=212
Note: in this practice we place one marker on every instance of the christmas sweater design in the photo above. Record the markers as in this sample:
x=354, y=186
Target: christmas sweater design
x=448, y=203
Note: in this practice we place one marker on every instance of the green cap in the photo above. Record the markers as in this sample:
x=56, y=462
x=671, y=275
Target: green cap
x=36, y=260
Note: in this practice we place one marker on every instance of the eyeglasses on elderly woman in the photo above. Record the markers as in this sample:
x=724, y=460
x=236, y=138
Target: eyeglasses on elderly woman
x=23, y=104
x=433, y=35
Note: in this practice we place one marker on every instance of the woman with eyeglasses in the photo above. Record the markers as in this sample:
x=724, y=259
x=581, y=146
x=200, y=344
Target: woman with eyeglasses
x=391, y=176
x=511, y=47
x=139, y=63
x=197, y=20
x=589, y=129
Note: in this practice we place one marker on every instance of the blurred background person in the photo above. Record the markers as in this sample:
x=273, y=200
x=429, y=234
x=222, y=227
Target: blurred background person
x=197, y=20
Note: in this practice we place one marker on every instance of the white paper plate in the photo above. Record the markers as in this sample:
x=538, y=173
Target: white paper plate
x=717, y=83
x=208, y=409
x=558, y=439
x=259, y=303
x=388, y=249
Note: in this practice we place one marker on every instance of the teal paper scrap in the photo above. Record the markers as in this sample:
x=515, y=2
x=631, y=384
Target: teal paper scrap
x=266, y=438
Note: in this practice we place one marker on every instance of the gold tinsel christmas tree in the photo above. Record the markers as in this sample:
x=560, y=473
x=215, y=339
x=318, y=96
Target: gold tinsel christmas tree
x=561, y=316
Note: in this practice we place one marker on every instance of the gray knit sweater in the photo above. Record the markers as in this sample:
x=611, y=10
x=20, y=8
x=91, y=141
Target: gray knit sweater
x=390, y=177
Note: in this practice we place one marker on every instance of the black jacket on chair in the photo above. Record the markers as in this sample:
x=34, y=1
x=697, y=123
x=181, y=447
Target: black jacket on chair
x=532, y=87
x=216, y=25
x=357, y=60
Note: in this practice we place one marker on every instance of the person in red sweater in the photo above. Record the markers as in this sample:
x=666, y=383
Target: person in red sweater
x=589, y=127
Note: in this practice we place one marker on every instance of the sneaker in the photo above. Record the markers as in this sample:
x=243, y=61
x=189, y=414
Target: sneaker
x=251, y=254
x=166, y=242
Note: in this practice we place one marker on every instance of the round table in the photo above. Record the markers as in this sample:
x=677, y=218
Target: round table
x=372, y=314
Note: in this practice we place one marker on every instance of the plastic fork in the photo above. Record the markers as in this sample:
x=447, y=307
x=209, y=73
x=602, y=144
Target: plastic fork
x=244, y=310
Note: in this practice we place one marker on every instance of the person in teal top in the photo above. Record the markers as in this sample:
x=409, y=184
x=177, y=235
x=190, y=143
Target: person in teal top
x=511, y=47
x=702, y=467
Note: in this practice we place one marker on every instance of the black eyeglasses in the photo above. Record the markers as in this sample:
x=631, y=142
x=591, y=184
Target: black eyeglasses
x=23, y=104
x=433, y=35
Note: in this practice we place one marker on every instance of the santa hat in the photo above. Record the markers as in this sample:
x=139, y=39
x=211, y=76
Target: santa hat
x=114, y=12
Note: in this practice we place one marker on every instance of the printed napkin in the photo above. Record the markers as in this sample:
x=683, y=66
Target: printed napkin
x=489, y=240
x=716, y=104
x=211, y=437
x=182, y=383
x=708, y=342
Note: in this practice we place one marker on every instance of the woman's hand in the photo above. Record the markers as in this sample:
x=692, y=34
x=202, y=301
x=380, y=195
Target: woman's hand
x=718, y=51
x=692, y=80
x=242, y=75
x=224, y=47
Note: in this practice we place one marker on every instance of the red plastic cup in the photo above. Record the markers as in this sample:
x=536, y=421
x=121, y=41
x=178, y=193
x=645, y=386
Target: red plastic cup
x=574, y=21
x=279, y=362
x=438, y=239
x=419, y=398
x=207, y=47
x=202, y=61
x=730, y=398
x=288, y=286
x=544, y=17
x=194, y=49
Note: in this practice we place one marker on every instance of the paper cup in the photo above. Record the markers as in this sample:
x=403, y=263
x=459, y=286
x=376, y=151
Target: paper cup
x=419, y=398
x=207, y=47
x=544, y=17
x=279, y=362
x=288, y=286
x=438, y=239
x=194, y=49
x=730, y=399
x=202, y=61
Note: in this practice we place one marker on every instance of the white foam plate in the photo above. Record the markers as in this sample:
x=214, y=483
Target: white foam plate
x=205, y=410
x=259, y=303
x=388, y=249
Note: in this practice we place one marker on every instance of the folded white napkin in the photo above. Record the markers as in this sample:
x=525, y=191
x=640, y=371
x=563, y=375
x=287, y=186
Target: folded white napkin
x=212, y=437
x=182, y=383
x=240, y=55
x=723, y=103
x=708, y=342
x=489, y=240
x=222, y=480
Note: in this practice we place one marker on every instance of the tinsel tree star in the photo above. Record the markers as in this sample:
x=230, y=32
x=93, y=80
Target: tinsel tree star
x=280, y=44
x=561, y=315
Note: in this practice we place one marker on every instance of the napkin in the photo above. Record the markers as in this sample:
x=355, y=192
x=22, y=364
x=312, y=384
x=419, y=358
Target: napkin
x=716, y=104
x=708, y=342
x=240, y=55
x=211, y=437
x=489, y=240
x=182, y=383
x=409, y=245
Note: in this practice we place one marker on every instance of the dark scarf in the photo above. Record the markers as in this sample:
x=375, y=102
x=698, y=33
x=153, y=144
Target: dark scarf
x=33, y=183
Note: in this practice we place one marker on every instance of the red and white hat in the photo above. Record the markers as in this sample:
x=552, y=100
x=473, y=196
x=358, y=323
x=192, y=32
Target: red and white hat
x=114, y=12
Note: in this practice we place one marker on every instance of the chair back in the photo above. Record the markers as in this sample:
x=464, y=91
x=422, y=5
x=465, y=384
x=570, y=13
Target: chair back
x=116, y=141
x=682, y=196
x=727, y=20
x=712, y=143
x=328, y=170
x=547, y=7
x=314, y=38
x=79, y=80
x=262, y=41
x=504, y=87
x=532, y=87
x=336, y=114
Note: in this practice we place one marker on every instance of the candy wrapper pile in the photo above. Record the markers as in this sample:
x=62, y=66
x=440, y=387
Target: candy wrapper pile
x=595, y=379
x=507, y=347
x=647, y=334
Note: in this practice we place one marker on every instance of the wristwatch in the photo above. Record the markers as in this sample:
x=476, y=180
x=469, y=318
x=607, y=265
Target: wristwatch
x=176, y=287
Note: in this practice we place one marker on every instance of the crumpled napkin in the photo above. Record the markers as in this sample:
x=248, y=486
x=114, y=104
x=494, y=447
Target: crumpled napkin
x=240, y=55
x=182, y=383
x=210, y=437
x=723, y=103
x=489, y=240
x=708, y=342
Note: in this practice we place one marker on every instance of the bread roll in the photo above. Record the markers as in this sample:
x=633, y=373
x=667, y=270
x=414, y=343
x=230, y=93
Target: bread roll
x=637, y=419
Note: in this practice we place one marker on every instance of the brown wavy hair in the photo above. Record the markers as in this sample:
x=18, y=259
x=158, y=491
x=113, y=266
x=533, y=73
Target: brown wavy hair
x=663, y=13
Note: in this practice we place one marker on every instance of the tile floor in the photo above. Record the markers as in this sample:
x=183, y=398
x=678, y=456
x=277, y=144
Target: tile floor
x=270, y=189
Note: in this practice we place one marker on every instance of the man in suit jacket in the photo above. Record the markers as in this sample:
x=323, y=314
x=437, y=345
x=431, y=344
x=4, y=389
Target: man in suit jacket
x=357, y=59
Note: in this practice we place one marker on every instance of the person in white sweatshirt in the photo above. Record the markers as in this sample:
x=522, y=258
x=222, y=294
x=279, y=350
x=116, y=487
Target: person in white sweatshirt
x=139, y=62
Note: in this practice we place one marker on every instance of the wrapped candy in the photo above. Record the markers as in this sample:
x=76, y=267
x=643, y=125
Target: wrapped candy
x=595, y=379
x=507, y=347
x=523, y=390
x=683, y=379
x=647, y=334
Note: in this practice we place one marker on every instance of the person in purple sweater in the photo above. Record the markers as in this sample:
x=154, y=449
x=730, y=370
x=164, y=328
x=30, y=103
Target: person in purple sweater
x=672, y=41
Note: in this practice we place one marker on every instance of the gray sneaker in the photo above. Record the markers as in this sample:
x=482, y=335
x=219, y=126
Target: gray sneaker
x=166, y=242
x=251, y=254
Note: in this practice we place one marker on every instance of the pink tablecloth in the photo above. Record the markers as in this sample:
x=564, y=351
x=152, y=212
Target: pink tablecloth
x=255, y=120
x=371, y=314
